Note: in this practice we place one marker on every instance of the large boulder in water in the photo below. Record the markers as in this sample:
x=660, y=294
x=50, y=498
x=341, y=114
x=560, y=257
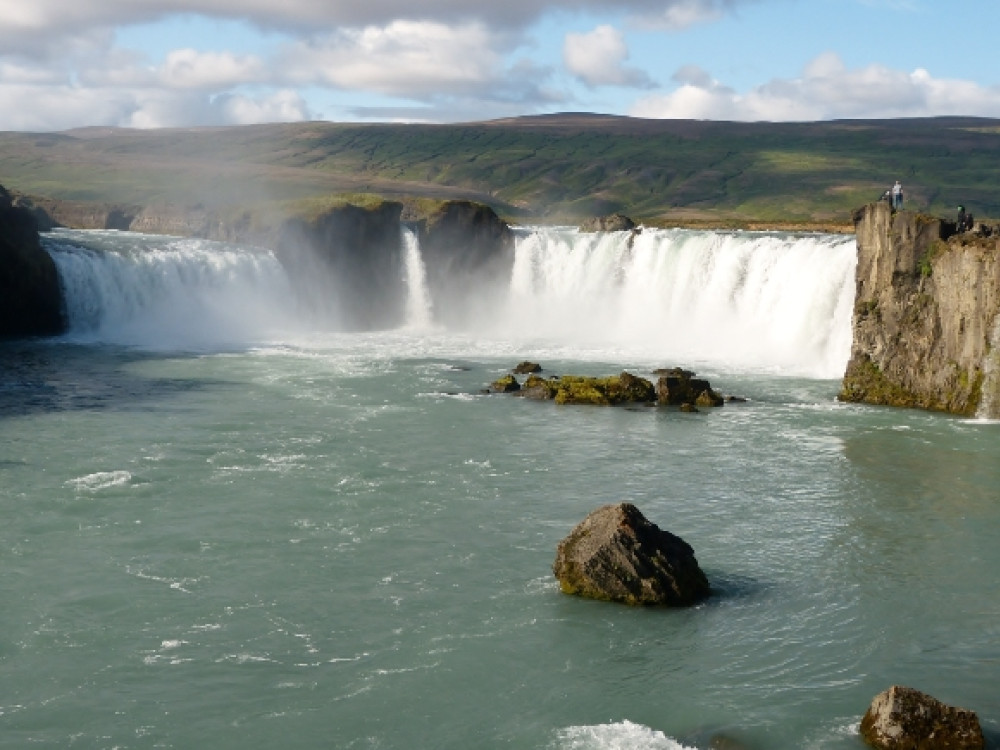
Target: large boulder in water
x=677, y=386
x=616, y=555
x=902, y=718
x=30, y=296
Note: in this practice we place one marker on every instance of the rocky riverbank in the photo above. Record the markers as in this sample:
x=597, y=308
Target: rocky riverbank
x=926, y=313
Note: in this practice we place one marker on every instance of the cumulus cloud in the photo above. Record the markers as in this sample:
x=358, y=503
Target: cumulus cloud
x=827, y=89
x=405, y=58
x=597, y=58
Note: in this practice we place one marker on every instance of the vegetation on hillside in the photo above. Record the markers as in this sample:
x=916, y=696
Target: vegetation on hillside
x=555, y=168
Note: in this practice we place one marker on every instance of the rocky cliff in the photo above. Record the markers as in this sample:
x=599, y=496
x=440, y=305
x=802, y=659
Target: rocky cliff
x=30, y=298
x=925, y=315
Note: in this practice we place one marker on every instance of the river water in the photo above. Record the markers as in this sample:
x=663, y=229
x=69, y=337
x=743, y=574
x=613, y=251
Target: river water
x=228, y=524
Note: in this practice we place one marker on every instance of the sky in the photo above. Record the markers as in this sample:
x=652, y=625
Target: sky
x=188, y=63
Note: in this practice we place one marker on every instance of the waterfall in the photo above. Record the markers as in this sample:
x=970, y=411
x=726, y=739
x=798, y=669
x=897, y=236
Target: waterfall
x=168, y=292
x=747, y=301
x=762, y=301
x=419, y=308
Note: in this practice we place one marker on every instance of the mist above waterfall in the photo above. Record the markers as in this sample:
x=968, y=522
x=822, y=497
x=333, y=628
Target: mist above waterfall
x=746, y=301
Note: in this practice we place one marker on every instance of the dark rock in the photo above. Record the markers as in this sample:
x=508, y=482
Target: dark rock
x=615, y=554
x=613, y=223
x=540, y=389
x=527, y=368
x=355, y=253
x=902, y=718
x=690, y=408
x=466, y=246
x=30, y=295
x=677, y=387
x=708, y=397
x=506, y=384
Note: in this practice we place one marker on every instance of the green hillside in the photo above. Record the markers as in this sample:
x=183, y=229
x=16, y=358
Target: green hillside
x=551, y=168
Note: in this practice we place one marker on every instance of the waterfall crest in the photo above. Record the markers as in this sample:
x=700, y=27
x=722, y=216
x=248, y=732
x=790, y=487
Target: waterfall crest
x=768, y=302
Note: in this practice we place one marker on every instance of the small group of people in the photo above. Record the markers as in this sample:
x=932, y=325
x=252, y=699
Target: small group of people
x=894, y=196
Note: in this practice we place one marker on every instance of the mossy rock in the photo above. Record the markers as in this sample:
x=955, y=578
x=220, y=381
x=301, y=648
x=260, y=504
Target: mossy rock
x=608, y=391
x=506, y=384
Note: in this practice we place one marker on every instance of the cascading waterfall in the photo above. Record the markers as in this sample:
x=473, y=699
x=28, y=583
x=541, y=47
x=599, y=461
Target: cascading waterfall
x=769, y=302
x=168, y=292
x=419, y=307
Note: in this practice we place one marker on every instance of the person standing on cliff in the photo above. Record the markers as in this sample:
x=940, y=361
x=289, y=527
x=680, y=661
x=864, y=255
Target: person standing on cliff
x=897, y=196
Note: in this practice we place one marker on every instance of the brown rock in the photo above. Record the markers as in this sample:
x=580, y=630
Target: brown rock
x=902, y=718
x=615, y=554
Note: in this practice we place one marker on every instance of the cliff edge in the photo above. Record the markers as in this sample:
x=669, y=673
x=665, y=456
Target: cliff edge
x=925, y=317
x=30, y=297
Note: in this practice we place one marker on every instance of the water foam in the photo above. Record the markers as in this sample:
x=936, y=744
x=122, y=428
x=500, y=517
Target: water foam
x=623, y=735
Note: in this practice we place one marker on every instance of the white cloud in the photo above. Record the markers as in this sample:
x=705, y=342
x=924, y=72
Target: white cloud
x=597, y=58
x=684, y=13
x=827, y=89
x=188, y=68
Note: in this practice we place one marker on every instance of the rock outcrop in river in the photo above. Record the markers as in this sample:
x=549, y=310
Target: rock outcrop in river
x=926, y=310
x=30, y=297
x=615, y=554
x=902, y=718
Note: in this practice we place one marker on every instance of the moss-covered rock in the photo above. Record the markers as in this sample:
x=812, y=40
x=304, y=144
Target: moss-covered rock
x=506, y=384
x=608, y=391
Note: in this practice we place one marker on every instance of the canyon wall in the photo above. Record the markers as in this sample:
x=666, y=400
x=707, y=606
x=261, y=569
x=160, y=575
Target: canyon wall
x=925, y=315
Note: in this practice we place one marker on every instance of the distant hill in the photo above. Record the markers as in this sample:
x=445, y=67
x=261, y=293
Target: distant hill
x=546, y=168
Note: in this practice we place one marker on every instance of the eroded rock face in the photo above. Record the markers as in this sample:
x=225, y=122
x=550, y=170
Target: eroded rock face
x=30, y=296
x=925, y=314
x=902, y=718
x=611, y=223
x=616, y=555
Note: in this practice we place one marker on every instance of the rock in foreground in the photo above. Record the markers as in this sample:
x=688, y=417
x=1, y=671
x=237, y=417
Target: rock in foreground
x=616, y=555
x=902, y=718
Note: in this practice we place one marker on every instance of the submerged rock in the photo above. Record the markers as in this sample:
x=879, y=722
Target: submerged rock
x=616, y=555
x=902, y=718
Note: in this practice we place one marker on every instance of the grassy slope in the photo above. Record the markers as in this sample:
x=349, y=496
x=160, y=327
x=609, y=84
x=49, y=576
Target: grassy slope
x=543, y=168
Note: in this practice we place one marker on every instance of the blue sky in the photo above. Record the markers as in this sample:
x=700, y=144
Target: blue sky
x=182, y=63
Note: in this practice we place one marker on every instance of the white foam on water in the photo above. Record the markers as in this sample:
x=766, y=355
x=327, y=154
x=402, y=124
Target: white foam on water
x=623, y=735
x=100, y=480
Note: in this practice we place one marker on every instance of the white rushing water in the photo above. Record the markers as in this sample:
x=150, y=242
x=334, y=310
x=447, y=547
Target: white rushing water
x=768, y=302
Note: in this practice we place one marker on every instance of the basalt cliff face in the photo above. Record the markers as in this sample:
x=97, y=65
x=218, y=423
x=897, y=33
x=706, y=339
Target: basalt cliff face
x=925, y=315
x=30, y=297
